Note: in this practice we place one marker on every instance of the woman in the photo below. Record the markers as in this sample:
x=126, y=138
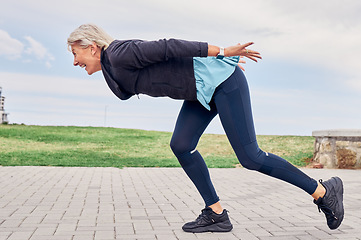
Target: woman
x=210, y=81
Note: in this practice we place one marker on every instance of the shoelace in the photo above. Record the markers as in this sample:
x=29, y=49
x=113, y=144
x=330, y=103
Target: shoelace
x=201, y=215
x=327, y=211
x=204, y=215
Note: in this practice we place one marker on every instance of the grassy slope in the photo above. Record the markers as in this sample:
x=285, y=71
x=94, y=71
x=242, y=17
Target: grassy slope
x=111, y=147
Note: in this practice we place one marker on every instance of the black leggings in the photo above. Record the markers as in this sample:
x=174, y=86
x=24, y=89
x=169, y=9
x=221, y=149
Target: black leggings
x=231, y=101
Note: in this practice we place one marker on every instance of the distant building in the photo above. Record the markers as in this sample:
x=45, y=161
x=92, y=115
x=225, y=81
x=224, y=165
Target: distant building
x=3, y=115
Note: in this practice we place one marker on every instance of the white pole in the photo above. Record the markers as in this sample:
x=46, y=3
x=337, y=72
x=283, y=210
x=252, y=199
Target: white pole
x=105, y=115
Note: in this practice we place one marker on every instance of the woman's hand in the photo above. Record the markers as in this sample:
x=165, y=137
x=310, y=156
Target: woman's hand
x=241, y=50
x=236, y=50
x=241, y=61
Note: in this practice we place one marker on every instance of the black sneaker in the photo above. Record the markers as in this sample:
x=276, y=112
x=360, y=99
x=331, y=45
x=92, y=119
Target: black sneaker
x=209, y=221
x=332, y=203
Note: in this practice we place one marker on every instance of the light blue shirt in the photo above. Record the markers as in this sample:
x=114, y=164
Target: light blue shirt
x=209, y=73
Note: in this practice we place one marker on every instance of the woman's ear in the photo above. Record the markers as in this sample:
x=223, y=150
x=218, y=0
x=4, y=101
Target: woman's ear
x=93, y=48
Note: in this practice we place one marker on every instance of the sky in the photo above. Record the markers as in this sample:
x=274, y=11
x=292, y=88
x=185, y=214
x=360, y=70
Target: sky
x=309, y=78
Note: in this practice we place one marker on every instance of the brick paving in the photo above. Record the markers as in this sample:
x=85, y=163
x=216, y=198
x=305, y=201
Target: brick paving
x=46, y=203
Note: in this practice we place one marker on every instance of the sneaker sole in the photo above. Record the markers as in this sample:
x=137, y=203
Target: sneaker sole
x=340, y=196
x=217, y=227
x=339, y=193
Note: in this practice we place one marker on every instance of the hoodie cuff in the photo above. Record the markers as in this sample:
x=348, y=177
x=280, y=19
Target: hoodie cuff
x=204, y=49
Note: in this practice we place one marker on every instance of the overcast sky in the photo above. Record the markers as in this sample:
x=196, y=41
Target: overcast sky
x=309, y=78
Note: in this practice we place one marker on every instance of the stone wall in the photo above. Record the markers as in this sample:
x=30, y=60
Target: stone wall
x=338, y=148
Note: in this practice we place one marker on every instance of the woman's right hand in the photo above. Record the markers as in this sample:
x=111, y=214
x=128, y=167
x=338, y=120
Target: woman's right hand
x=241, y=50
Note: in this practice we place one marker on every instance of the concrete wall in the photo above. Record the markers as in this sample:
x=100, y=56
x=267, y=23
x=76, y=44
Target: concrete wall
x=338, y=148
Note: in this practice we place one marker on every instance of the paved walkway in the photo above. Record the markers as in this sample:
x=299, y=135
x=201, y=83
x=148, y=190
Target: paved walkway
x=45, y=203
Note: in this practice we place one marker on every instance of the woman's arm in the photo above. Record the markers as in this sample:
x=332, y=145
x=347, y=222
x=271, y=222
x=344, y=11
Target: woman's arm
x=139, y=53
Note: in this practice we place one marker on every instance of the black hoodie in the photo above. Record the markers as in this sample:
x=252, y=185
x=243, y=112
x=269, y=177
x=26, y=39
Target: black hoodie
x=155, y=68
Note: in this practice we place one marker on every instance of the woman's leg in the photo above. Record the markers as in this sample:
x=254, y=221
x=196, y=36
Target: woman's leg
x=234, y=108
x=233, y=104
x=191, y=123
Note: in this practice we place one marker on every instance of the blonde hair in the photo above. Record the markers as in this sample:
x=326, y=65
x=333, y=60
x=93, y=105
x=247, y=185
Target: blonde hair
x=87, y=34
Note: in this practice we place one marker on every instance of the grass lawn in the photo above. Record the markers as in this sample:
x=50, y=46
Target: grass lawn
x=22, y=145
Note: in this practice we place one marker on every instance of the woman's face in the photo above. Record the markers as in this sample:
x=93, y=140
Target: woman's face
x=88, y=58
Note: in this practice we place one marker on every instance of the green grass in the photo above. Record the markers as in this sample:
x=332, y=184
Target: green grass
x=22, y=145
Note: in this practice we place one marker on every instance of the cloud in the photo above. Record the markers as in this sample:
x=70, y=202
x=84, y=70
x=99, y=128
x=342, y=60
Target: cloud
x=35, y=48
x=353, y=84
x=33, y=84
x=10, y=47
x=14, y=49
x=319, y=33
x=39, y=51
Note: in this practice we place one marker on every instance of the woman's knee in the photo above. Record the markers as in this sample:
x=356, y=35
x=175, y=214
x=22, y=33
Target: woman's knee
x=250, y=164
x=180, y=146
x=174, y=146
x=252, y=158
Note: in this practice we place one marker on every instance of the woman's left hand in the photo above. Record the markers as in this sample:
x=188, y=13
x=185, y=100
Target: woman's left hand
x=241, y=61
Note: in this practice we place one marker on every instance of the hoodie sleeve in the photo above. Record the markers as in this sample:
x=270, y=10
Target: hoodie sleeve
x=140, y=54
